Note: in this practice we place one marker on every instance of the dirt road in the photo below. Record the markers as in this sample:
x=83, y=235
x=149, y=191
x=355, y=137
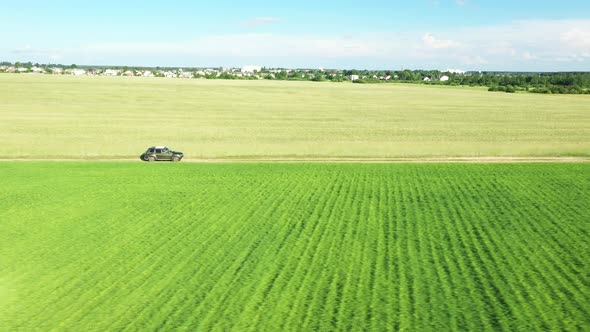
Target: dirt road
x=335, y=160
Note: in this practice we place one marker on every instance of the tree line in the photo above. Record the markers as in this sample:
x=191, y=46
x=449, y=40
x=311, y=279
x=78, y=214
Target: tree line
x=556, y=83
x=546, y=83
x=510, y=82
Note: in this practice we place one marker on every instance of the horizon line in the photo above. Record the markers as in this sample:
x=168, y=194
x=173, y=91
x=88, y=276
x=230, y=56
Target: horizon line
x=284, y=68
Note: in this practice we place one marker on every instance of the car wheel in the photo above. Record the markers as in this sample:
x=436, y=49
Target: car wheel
x=151, y=158
x=175, y=159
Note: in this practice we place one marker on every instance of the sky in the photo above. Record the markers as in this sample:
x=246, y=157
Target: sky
x=500, y=35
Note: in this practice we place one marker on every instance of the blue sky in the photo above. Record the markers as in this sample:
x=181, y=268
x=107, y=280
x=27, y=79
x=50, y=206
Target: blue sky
x=430, y=34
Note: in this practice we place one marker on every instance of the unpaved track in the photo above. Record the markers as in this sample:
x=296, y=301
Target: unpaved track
x=336, y=160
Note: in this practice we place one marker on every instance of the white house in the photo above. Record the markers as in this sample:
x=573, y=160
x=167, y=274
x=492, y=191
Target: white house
x=444, y=78
x=251, y=69
x=427, y=79
x=353, y=77
x=78, y=72
x=169, y=74
x=111, y=72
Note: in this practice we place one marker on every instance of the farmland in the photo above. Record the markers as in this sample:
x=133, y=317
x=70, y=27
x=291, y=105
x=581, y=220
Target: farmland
x=95, y=246
x=100, y=117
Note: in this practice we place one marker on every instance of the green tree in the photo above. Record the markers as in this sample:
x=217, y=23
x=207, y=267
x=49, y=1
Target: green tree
x=318, y=77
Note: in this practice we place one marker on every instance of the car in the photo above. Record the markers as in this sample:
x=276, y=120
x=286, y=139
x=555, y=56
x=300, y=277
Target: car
x=156, y=153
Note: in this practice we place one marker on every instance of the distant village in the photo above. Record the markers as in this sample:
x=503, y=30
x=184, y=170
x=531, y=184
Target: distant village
x=246, y=72
x=510, y=82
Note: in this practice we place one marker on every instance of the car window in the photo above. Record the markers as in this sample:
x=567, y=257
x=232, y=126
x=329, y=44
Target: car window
x=158, y=150
x=165, y=150
x=151, y=150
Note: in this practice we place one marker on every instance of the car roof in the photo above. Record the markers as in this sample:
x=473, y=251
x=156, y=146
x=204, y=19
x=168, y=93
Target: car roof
x=160, y=147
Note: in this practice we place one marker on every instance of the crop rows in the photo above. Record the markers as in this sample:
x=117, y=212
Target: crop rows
x=274, y=247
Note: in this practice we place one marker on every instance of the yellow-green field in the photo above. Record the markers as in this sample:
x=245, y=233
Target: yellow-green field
x=44, y=116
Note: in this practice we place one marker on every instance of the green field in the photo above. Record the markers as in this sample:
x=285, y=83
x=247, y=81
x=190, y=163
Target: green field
x=47, y=116
x=273, y=247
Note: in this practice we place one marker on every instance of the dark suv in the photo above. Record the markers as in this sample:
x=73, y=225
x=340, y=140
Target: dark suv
x=161, y=153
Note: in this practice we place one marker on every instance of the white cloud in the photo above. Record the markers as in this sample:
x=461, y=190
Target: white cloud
x=430, y=41
x=518, y=45
x=529, y=56
x=461, y=2
x=578, y=38
x=473, y=60
x=250, y=45
x=27, y=49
